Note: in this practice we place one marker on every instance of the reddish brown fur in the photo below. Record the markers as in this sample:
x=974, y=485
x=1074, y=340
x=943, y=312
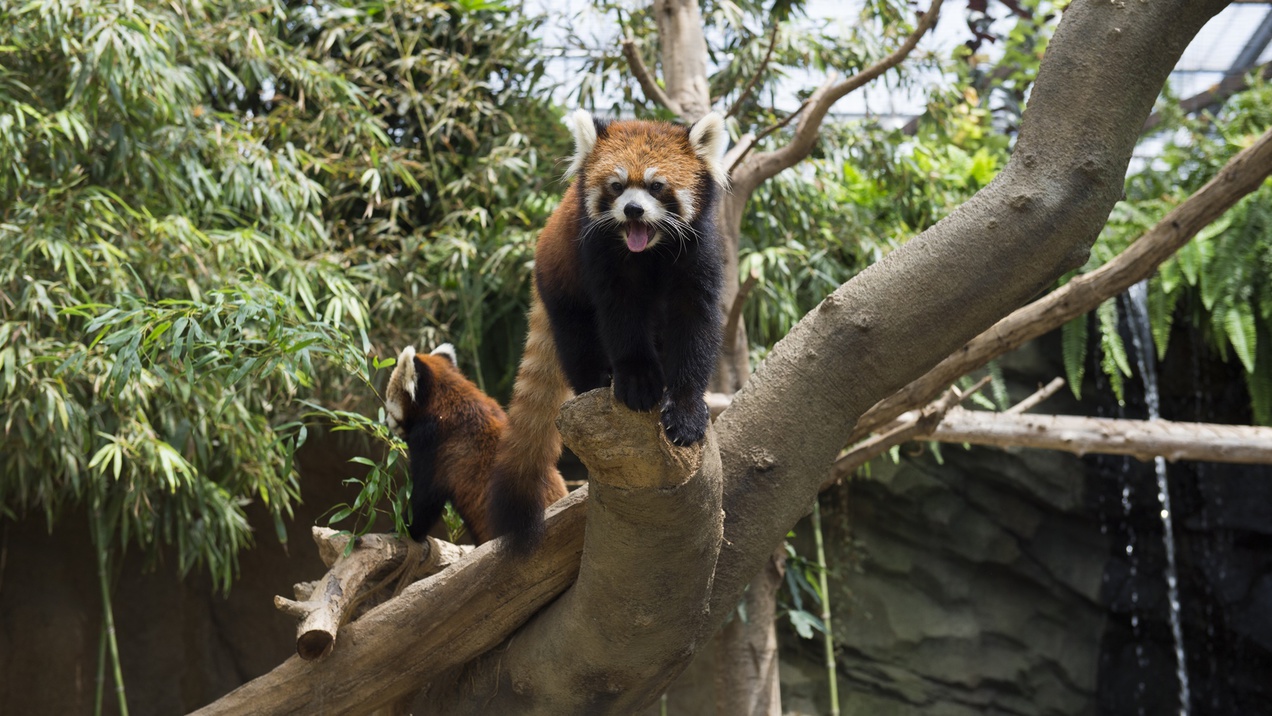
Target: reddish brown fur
x=638, y=145
x=470, y=425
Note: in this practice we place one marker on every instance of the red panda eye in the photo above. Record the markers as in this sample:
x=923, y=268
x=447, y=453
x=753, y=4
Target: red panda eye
x=617, y=187
x=656, y=187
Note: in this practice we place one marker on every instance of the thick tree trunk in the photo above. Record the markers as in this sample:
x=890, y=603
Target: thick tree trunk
x=746, y=678
x=885, y=328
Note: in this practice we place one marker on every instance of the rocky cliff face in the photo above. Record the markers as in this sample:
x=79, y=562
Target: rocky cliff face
x=969, y=588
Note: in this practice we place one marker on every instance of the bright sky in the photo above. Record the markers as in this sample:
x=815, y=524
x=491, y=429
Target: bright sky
x=1203, y=63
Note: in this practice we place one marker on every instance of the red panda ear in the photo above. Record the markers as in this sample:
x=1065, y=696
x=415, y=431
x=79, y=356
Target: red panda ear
x=585, y=129
x=708, y=137
x=446, y=351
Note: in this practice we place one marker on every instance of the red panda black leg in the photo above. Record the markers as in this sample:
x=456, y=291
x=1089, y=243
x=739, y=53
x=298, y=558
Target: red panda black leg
x=691, y=340
x=427, y=499
x=578, y=346
x=626, y=335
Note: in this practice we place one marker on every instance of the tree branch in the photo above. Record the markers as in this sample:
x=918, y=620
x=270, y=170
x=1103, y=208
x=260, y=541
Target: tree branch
x=755, y=78
x=735, y=310
x=613, y=642
x=763, y=166
x=325, y=605
x=1042, y=394
x=1213, y=95
x=1240, y=176
x=1142, y=439
x=749, y=141
x=648, y=85
x=684, y=57
x=435, y=624
x=897, y=319
x=911, y=428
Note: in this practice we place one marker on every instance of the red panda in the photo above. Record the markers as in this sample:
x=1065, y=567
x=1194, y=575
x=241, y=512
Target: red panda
x=451, y=430
x=627, y=280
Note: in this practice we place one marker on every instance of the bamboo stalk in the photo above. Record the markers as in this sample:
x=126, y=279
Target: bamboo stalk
x=828, y=639
x=108, y=613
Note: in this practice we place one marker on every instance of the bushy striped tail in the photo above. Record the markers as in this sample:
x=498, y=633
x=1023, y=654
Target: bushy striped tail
x=525, y=480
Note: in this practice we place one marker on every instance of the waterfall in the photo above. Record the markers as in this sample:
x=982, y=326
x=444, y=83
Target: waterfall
x=1142, y=338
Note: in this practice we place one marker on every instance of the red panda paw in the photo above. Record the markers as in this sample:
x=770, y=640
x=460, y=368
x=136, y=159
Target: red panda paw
x=686, y=422
x=639, y=386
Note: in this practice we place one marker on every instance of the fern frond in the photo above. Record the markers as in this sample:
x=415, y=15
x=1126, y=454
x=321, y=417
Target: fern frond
x=1113, y=358
x=1073, y=341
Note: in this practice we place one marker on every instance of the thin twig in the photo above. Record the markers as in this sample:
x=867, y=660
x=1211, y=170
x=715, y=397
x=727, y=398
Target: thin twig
x=921, y=424
x=772, y=128
x=770, y=163
x=755, y=78
x=1042, y=394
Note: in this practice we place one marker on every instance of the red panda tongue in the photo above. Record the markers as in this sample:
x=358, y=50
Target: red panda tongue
x=637, y=236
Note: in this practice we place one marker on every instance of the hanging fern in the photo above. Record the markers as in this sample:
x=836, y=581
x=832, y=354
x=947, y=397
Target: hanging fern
x=1074, y=346
x=1225, y=271
x=1113, y=359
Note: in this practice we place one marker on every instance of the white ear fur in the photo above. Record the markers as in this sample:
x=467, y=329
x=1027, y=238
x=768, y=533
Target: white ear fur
x=584, y=130
x=709, y=139
x=405, y=368
x=446, y=351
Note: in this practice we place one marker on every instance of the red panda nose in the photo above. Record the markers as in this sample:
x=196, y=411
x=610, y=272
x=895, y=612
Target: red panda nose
x=634, y=211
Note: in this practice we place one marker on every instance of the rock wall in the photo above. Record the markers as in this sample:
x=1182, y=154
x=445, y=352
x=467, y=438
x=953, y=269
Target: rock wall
x=966, y=588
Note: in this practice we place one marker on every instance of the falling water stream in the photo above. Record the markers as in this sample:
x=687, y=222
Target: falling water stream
x=1142, y=338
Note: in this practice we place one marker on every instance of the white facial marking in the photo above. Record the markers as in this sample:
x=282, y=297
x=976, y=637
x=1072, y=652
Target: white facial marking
x=650, y=173
x=446, y=351
x=620, y=175
x=654, y=211
x=406, y=364
x=584, y=130
x=687, y=209
x=593, y=201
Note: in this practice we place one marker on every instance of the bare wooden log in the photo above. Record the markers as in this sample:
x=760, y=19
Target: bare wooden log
x=325, y=605
x=436, y=624
x=1141, y=439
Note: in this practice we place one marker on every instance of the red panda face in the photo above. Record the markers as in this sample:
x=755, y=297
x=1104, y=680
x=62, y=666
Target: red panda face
x=646, y=181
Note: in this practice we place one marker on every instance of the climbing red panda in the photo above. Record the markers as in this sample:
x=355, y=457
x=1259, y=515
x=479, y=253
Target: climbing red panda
x=627, y=279
x=451, y=430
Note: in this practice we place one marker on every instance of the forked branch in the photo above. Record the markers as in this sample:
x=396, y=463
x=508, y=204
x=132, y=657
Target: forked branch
x=765, y=165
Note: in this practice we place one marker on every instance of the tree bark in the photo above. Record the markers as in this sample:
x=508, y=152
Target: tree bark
x=746, y=678
x=684, y=57
x=880, y=331
x=637, y=614
x=1141, y=439
x=898, y=318
x=1240, y=176
x=325, y=605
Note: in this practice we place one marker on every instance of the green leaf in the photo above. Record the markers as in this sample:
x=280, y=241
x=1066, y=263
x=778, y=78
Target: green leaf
x=1073, y=339
x=1239, y=322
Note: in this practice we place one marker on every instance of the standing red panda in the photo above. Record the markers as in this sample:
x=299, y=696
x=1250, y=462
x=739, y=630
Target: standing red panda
x=628, y=272
x=451, y=430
